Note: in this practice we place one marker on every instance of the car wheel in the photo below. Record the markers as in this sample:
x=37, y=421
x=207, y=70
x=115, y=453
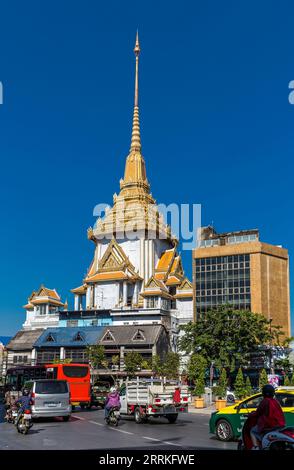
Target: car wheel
x=66, y=418
x=223, y=430
x=137, y=415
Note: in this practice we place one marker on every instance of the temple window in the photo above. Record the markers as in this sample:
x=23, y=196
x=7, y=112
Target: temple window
x=152, y=302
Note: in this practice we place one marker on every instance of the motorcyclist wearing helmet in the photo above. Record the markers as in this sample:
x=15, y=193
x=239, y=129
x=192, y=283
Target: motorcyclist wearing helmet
x=269, y=416
x=25, y=402
x=112, y=400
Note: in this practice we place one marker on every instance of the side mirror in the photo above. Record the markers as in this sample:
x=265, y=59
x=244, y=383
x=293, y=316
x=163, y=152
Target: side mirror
x=237, y=408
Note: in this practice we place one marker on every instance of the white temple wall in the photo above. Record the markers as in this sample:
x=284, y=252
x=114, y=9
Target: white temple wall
x=106, y=295
x=185, y=310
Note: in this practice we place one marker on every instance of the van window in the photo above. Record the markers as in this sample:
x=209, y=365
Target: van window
x=51, y=387
x=75, y=371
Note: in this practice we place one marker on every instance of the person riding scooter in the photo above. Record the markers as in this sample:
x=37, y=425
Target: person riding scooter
x=112, y=401
x=24, y=403
x=268, y=415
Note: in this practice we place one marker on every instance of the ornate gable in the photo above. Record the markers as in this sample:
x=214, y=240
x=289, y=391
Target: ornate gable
x=153, y=283
x=186, y=285
x=114, y=259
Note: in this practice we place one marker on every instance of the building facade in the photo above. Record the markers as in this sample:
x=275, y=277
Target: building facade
x=20, y=349
x=236, y=268
x=136, y=275
x=56, y=344
x=42, y=309
x=135, y=278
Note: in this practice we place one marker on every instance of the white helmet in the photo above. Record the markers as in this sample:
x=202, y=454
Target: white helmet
x=112, y=389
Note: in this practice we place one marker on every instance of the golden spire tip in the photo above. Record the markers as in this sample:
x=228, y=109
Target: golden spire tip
x=137, y=44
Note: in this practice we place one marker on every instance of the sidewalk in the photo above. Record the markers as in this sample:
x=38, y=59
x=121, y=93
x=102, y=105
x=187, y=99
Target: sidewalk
x=204, y=411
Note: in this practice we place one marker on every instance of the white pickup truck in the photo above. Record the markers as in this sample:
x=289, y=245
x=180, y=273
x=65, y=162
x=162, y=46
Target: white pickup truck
x=143, y=398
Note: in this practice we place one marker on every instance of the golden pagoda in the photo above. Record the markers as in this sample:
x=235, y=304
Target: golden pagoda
x=136, y=267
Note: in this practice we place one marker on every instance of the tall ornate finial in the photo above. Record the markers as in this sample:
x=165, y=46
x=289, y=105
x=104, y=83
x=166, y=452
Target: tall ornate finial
x=136, y=139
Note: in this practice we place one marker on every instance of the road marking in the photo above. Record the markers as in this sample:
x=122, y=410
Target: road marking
x=120, y=430
x=171, y=444
x=113, y=429
x=78, y=417
x=163, y=442
x=151, y=438
x=131, y=433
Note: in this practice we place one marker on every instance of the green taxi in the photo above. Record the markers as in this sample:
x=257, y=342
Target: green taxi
x=227, y=423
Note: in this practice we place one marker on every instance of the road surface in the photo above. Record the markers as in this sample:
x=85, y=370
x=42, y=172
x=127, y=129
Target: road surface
x=86, y=430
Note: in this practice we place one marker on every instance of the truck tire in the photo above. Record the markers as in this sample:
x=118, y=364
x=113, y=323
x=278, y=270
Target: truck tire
x=172, y=418
x=138, y=416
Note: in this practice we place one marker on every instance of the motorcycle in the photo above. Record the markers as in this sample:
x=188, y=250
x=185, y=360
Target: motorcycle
x=113, y=416
x=276, y=439
x=11, y=414
x=24, y=422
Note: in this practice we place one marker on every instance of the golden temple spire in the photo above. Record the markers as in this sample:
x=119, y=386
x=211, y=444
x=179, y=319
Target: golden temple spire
x=136, y=139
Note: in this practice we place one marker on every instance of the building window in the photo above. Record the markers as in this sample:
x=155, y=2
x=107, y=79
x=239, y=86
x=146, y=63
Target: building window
x=50, y=338
x=48, y=355
x=42, y=310
x=76, y=355
x=226, y=285
x=138, y=336
x=78, y=337
x=152, y=302
x=108, y=336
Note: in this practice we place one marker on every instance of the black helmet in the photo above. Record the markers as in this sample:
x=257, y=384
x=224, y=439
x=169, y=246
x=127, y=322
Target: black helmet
x=25, y=392
x=268, y=391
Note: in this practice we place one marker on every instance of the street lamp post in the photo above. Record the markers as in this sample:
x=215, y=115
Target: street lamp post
x=271, y=354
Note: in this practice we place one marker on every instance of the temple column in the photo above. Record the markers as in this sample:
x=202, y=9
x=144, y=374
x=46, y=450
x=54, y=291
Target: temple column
x=125, y=293
x=77, y=301
x=47, y=309
x=136, y=292
x=62, y=353
x=117, y=294
x=33, y=357
x=88, y=296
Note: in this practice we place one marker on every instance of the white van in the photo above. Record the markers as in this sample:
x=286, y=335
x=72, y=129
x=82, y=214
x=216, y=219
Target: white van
x=51, y=398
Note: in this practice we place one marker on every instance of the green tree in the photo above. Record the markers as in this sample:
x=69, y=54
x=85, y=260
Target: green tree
x=171, y=365
x=196, y=371
x=62, y=361
x=146, y=364
x=248, y=387
x=263, y=379
x=229, y=336
x=240, y=388
x=287, y=381
x=133, y=362
x=222, y=385
x=167, y=366
x=115, y=359
x=96, y=355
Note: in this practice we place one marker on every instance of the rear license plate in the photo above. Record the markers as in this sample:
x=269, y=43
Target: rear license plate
x=27, y=416
x=169, y=409
x=51, y=404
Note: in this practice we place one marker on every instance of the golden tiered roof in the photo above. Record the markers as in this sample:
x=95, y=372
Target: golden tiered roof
x=43, y=296
x=168, y=273
x=134, y=207
x=114, y=265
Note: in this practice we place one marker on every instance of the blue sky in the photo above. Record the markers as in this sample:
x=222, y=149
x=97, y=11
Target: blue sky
x=216, y=124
